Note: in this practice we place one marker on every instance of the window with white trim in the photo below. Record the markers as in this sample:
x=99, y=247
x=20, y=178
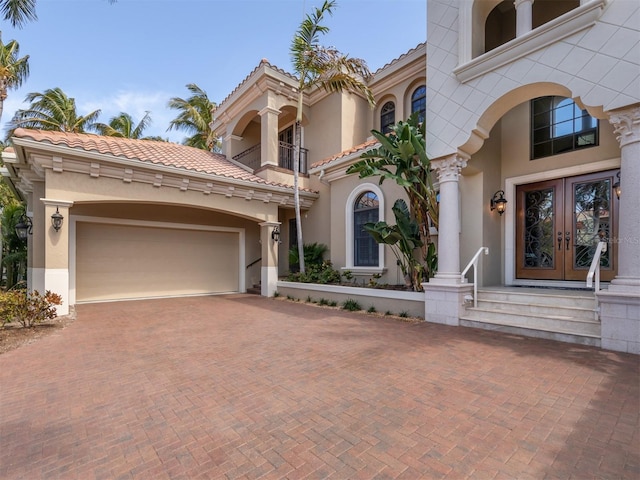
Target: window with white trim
x=365, y=248
x=419, y=102
x=364, y=204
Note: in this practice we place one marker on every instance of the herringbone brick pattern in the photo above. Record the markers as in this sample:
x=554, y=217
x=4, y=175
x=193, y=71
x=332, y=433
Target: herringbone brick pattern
x=245, y=387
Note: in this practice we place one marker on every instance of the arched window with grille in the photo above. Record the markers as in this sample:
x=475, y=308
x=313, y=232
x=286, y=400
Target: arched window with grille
x=364, y=204
x=387, y=117
x=365, y=249
x=419, y=102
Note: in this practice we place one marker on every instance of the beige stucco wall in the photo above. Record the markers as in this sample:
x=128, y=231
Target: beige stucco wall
x=480, y=226
x=340, y=191
x=82, y=188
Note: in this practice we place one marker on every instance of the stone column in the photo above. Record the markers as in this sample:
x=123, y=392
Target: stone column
x=56, y=251
x=230, y=146
x=36, y=265
x=620, y=303
x=444, y=294
x=627, y=128
x=269, y=273
x=524, y=16
x=448, y=171
x=269, y=136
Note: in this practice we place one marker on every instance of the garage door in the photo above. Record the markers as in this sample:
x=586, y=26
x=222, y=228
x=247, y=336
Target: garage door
x=121, y=262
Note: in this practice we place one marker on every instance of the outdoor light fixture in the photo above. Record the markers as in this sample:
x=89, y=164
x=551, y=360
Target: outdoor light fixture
x=616, y=186
x=24, y=227
x=498, y=202
x=275, y=234
x=56, y=220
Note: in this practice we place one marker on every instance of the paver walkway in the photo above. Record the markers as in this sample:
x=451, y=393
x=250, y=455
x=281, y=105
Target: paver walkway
x=241, y=386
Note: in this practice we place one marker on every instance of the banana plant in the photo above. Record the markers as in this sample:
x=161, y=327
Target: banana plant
x=404, y=240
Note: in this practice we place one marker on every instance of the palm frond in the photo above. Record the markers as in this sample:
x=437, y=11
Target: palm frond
x=18, y=12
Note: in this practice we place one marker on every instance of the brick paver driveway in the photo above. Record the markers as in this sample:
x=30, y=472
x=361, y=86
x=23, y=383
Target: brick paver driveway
x=246, y=387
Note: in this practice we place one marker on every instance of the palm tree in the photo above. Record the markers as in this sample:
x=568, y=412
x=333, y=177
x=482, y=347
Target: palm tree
x=326, y=68
x=123, y=126
x=196, y=114
x=53, y=110
x=13, y=69
x=19, y=12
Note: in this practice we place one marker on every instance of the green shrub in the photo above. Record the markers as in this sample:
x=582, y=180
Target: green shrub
x=388, y=312
x=403, y=314
x=333, y=303
x=323, y=301
x=313, y=255
x=351, y=305
x=28, y=309
x=321, y=273
x=276, y=294
x=372, y=309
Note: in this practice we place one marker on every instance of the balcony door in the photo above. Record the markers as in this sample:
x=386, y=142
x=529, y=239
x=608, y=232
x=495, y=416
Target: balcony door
x=559, y=224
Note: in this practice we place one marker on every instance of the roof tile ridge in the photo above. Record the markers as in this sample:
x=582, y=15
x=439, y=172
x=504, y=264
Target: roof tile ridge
x=263, y=63
x=396, y=60
x=344, y=153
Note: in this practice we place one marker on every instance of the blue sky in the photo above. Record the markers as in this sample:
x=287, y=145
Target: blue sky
x=134, y=55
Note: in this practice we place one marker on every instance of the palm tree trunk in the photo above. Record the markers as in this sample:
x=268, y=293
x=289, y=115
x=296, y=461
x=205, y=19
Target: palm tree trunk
x=296, y=194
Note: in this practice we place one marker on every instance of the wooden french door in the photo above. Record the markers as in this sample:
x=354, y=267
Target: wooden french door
x=559, y=224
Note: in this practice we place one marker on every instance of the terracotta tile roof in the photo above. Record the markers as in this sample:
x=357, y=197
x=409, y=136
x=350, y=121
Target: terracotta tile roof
x=147, y=151
x=345, y=153
x=396, y=60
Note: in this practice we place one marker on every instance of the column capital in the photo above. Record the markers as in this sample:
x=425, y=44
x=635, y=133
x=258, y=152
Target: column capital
x=268, y=109
x=448, y=168
x=626, y=124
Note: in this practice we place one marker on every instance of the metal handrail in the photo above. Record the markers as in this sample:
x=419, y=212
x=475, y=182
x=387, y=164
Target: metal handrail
x=594, y=269
x=474, y=263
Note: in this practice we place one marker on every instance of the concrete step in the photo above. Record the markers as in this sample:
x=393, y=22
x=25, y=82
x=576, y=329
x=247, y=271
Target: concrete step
x=567, y=316
x=255, y=290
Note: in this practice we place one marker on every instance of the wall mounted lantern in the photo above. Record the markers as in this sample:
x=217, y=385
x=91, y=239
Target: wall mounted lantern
x=56, y=220
x=498, y=202
x=24, y=227
x=616, y=186
x=275, y=234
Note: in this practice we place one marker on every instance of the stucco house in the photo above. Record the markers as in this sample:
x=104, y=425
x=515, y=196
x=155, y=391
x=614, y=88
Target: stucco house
x=144, y=219
x=532, y=103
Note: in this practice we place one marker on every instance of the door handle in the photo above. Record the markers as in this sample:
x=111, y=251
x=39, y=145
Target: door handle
x=567, y=238
x=559, y=240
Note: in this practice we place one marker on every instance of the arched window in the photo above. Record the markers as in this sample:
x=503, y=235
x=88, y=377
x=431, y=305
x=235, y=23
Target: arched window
x=364, y=204
x=387, y=117
x=558, y=125
x=419, y=102
x=365, y=249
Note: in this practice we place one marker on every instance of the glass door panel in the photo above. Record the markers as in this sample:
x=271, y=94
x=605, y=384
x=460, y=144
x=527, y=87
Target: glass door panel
x=590, y=221
x=540, y=234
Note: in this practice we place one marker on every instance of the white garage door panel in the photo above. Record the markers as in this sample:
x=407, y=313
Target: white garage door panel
x=117, y=262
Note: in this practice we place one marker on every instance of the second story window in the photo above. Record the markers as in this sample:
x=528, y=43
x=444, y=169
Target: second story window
x=387, y=117
x=419, y=102
x=558, y=125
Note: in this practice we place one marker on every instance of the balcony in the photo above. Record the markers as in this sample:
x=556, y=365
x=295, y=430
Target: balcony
x=286, y=155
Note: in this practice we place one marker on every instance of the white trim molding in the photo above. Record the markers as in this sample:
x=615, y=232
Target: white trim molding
x=349, y=234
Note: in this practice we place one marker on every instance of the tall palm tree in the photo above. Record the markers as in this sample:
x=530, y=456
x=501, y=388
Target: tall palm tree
x=195, y=117
x=13, y=69
x=19, y=12
x=54, y=110
x=326, y=68
x=123, y=126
